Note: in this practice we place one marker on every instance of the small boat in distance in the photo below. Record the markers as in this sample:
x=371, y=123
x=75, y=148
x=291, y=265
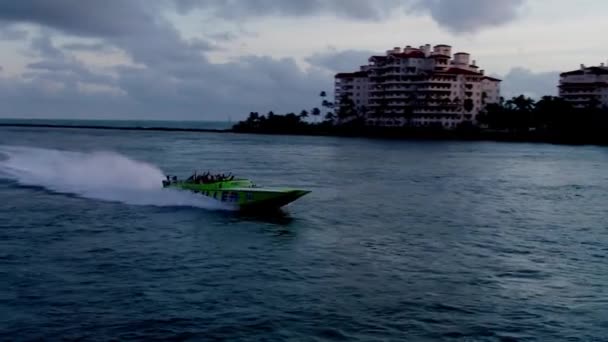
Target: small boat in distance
x=240, y=193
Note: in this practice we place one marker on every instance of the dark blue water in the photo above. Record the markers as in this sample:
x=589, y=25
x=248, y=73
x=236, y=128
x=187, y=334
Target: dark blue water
x=453, y=241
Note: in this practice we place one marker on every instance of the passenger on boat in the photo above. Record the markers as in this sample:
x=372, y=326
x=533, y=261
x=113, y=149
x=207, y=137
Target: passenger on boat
x=207, y=178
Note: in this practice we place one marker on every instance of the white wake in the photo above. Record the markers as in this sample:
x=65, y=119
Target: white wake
x=104, y=176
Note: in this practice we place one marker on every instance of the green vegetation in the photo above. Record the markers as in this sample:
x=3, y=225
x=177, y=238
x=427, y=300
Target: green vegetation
x=551, y=119
x=313, y=122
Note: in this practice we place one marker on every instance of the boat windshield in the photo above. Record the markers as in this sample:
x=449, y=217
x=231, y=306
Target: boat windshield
x=207, y=177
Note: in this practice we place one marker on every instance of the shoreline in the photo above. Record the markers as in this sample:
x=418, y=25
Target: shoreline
x=119, y=128
x=496, y=136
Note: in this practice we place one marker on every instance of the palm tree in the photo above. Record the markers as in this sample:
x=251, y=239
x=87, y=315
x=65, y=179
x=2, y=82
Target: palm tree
x=253, y=117
x=303, y=114
x=521, y=103
x=316, y=112
x=327, y=104
x=330, y=116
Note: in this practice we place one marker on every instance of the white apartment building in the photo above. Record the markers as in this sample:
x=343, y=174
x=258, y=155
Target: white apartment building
x=355, y=86
x=419, y=87
x=585, y=87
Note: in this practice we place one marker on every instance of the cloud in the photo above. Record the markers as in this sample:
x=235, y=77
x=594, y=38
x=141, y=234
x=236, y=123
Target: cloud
x=455, y=15
x=12, y=33
x=259, y=84
x=340, y=61
x=225, y=36
x=177, y=85
x=470, y=15
x=523, y=81
x=144, y=20
x=82, y=18
x=168, y=76
x=43, y=46
x=88, y=47
x=352, y=9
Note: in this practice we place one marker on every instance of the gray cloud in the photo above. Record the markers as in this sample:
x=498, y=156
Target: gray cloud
x=455, y=15
x=261, y=84
x=42, y=46
x=340, y=61
x=173, y=78
x=85, y=18
x=225, y=36
x=180, y=85
x=12, y=33
x=353, y=9
x=89, y=47
x=118, y=18
x=470, y=15
x=523, y=81
x=57, y=66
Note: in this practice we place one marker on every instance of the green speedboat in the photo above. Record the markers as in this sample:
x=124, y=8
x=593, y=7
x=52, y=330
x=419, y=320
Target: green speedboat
x=242, y=194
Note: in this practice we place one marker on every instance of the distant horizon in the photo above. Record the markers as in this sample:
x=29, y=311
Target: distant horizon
x=97, y=119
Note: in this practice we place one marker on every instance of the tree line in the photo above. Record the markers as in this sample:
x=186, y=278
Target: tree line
x=306, y=121
x=550, y=117
x=550, y=114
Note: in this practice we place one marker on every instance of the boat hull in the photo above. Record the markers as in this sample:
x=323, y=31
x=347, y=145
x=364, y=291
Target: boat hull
x=242, y=195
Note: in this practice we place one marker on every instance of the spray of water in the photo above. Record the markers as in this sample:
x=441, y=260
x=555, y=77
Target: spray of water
x=97, y=175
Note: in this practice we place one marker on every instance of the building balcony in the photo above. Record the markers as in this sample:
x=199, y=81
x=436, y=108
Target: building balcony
x=580, y=92
x=398, y=87
x=435, y=90
x=441, y=80
x=437, y=112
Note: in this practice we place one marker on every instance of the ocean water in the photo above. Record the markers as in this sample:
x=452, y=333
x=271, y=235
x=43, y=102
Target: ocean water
x=399, y=240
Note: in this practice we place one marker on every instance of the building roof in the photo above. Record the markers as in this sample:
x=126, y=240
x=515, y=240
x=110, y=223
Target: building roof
x=491, y=79
x=413, y=54
x=458, y=71
x=378, y=58
x=590, y=70
x=351, y=74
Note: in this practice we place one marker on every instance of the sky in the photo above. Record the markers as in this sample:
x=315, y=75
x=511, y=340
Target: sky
x=221, y=59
